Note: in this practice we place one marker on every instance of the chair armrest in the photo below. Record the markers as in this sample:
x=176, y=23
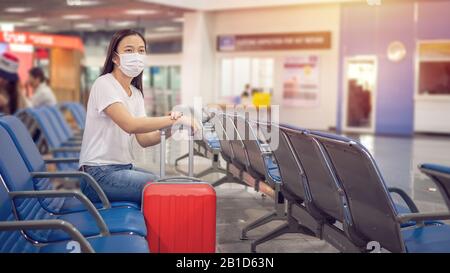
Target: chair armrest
x=265, y=149
x=75, y=138
x=208, y=126
x=431, y=172
x=420, y=217
x=409, y=202
x=72, y=143
x=50, y=224
x=61, y=160
x=87, y=177
x=65, y=149
x=104, y=231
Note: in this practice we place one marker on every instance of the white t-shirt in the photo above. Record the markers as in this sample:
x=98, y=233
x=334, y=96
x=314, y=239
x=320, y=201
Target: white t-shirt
x=104, y=142
x=43, y=96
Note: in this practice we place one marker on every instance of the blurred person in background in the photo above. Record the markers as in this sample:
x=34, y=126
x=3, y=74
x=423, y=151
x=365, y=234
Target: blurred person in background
x=11, y=98
x=245, y=96
x=42, y=95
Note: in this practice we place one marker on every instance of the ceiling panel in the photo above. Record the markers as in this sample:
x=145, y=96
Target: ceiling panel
x=106, y=15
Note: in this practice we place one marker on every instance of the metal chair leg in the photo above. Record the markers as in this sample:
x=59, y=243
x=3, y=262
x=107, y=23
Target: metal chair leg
x=181, y=158
x=289, y=227
x=227, y=179
x=210, y=170
x=279, y=213
x=259, y=222
x=221, y=181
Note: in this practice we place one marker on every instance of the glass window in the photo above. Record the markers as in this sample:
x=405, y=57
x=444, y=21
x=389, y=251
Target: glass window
x=434, y=68
x=159, y=77
x=237, y=72
x=241, y=75
x=227, y=77
x=175, y=77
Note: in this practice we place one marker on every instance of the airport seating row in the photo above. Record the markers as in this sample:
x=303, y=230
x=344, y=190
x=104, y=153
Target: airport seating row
x=324, y=185
x=36, y=218
x=330, y=185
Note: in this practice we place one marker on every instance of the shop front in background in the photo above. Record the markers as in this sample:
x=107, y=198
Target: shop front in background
x=59, y=56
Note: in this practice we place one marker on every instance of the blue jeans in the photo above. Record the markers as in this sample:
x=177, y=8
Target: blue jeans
x=119, y=182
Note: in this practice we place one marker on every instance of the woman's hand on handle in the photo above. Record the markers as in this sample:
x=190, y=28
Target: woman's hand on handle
x=174, y=115
x=190, y=122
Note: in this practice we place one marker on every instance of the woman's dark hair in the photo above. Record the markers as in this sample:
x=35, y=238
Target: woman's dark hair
x=38, y=73
x=12, y=89
x=115, y=40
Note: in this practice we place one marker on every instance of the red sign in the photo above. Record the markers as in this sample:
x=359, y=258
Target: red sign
x=275, y=41
x=42, y=40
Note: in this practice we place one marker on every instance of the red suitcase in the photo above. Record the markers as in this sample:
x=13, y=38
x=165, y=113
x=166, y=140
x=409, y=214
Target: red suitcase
x=180, y=216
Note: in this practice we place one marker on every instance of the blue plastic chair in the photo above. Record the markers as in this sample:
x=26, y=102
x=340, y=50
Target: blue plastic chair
x=12, y=240
x=69, y=135
x=78, y=112
x=54, y=142
x=441, y=176
x=92, y=222
x=35, y=163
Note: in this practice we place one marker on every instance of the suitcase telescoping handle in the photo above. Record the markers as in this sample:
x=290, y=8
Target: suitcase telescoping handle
x=162, y=161
x=180, y=179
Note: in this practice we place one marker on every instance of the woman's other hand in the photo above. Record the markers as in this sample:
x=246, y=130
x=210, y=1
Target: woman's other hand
x=174, y=115
x=189, y=122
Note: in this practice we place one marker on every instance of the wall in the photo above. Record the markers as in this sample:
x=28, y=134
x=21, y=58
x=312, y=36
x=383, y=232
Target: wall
x=197, y=72
x=65, y=74
x=368, y=30
x=431, y=114
x=290, y=19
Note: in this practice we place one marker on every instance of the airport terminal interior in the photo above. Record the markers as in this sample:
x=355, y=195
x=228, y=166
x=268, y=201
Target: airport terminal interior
x=316, y=126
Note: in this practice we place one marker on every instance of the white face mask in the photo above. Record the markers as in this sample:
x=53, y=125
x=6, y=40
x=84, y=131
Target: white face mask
x=131, y=64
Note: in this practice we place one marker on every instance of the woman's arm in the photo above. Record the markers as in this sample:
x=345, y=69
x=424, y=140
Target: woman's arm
x=120, y=115
x=150, y=139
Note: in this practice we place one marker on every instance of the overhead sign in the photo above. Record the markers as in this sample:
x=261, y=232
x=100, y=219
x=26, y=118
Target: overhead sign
x=42, y=40
x=274, y=41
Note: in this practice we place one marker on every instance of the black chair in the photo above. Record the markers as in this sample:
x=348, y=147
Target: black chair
x=373, y=217
x=262, y=168
x=299, y=219
x=223, y=133
x=326, y=200
x=207, y=147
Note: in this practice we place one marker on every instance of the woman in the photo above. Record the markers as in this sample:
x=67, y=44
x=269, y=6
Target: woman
x=43, y=95
x=9, y=84
x=115, y=118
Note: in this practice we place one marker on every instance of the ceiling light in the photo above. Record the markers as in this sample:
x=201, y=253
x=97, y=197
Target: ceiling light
x=33, y=19
x=82, y=2
x=21, y=24
x=140, y=11
x=74, y=16
x=166, y=29
x=43, y=27
x=17, y=9
x=83, y=25
x=122, y=23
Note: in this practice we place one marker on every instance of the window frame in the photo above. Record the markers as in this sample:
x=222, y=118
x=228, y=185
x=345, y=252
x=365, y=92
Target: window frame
x=418, y=60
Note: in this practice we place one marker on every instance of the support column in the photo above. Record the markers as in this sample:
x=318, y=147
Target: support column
x=198, y=61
